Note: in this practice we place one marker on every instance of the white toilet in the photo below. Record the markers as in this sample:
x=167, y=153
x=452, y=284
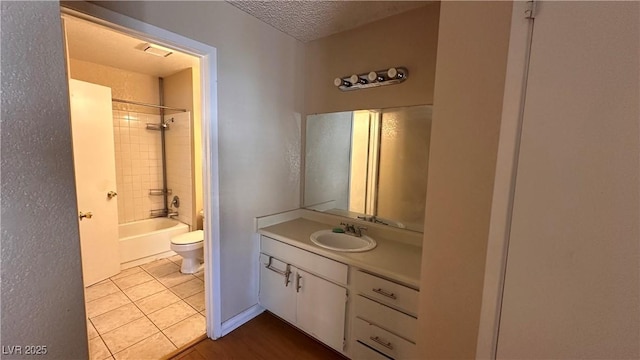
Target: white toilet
x=190, y=247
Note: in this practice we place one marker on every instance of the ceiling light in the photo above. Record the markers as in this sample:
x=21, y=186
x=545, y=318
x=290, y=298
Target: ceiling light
x=156, y=50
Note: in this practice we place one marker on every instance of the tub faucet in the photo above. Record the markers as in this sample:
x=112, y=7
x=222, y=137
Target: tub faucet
x=172, y=214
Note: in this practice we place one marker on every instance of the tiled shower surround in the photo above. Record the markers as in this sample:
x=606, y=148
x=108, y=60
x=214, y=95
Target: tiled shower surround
x=138, y=155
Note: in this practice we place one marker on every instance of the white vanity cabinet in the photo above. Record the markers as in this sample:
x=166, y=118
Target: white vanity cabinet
x=383, y=318
x=301, y=287
x=277, y=293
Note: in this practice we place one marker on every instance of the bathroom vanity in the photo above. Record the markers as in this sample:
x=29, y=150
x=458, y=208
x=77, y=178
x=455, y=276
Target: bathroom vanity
x=362, y=304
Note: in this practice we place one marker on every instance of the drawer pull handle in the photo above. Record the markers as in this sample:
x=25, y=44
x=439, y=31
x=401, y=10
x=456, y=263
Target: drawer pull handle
x=385, y=293
x=298, y=286
x=381, y=342
x=284, y=273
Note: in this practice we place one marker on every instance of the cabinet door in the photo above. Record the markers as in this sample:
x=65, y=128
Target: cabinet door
x=321, y=308
x=276, y=295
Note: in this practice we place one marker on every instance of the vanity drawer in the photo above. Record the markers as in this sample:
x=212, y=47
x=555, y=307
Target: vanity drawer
x=387, y=292
x=319, y=265
x=363, y=352
x=387, y=318
x=382, y=340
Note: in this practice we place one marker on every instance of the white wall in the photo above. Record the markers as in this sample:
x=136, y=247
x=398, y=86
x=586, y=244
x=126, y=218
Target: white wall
x=42, y=293
x=572, y=282
x=260, y=99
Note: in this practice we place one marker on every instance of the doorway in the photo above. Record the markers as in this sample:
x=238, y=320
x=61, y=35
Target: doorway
x=168, y=291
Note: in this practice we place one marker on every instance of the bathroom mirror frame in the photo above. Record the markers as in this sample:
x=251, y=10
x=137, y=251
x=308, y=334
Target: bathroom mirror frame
x=369, y=164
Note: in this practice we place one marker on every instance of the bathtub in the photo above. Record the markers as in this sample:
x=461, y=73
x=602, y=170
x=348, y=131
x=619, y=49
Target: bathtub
x=147, y=240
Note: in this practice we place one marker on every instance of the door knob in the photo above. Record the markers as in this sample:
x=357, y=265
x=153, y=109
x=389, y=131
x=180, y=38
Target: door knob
x=87, y=215
x=112, y=194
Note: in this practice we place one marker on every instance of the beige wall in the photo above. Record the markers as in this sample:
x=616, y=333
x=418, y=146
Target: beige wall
x=470, y=75
x=181, y=91
x=124, y=84
x=408, y=39
x=42, y=292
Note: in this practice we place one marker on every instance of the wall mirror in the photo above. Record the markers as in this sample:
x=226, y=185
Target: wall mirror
x=370, y=164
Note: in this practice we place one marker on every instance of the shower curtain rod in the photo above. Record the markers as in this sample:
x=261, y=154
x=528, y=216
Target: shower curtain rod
x=149, y=105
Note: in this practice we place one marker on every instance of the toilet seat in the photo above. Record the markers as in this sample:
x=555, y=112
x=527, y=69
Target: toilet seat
x=188, y=241
x=188, y=238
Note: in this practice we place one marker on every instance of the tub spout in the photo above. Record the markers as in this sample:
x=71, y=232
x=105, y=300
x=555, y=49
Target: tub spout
x=172, y=214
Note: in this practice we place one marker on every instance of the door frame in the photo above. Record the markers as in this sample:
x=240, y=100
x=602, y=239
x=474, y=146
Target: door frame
x=210, y=154
x=505, y=177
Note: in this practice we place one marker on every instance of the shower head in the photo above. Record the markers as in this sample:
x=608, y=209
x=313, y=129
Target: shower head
x=165, y=123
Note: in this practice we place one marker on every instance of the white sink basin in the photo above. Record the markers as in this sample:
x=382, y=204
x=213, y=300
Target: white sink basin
x=342, y=242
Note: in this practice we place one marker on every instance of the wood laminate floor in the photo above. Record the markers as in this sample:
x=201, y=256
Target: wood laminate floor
x=264, y=337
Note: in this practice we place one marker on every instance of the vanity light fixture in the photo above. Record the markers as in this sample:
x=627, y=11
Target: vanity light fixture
x=371, y=79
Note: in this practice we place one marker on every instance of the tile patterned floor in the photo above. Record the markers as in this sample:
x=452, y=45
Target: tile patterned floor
x=145, y=312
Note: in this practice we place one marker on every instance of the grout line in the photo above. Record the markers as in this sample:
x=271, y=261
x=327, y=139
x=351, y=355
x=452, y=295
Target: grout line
x=85, y=289
x=143, y=313
x=136, y=343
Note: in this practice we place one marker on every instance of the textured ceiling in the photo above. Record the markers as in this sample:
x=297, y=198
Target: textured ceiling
x=310, y=20
x=96, y=44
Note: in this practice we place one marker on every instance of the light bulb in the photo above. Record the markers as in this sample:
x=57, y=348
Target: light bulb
x=392, y=73
x=355, y=79
x=339, y=82
x=373, y=76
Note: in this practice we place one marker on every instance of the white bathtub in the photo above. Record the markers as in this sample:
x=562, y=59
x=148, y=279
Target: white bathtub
x=147, y=240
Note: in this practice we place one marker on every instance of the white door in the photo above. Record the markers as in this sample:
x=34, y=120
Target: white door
x=95, y=172
x=321, y=308
x=276, y=295
x=572, y=282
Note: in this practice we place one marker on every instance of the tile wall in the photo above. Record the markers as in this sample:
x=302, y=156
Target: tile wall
x=138, y=164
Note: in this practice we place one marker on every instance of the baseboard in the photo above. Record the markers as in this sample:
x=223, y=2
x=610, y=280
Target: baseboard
x=238, y=320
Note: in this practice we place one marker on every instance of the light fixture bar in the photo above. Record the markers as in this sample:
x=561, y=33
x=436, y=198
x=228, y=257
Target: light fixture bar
x=372, y=79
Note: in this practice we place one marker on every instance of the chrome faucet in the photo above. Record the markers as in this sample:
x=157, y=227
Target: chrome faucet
x=351, y=229
x=175, y=203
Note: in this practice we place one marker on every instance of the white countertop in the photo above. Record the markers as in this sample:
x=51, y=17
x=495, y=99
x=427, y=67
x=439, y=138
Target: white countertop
x=391, y=259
